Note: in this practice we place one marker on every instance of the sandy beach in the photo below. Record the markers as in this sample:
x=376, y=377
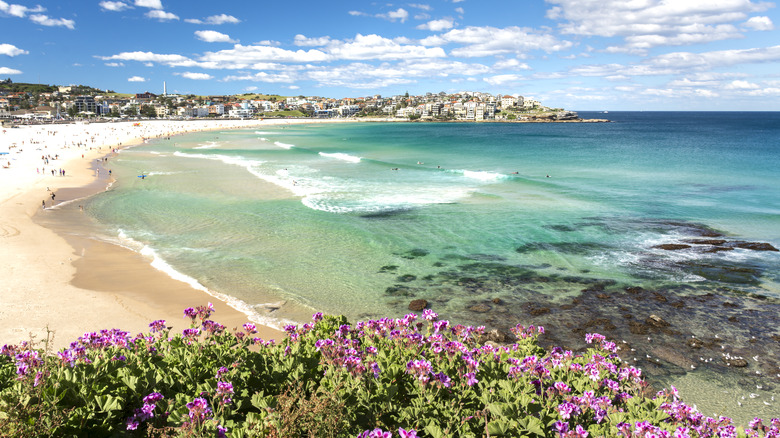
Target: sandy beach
x=72, y=285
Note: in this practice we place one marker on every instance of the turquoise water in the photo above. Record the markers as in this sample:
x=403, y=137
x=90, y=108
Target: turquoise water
x=492, y=224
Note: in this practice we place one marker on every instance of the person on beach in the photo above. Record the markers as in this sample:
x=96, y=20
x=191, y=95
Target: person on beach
x=43, y=203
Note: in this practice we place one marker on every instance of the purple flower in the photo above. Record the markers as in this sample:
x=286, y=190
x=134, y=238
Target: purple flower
x=153, y=397
x=221, y=431
x=403, y=433
x=580, y=431
x=567, y=409
x=317, y=317
x=132, y=424
x=221, y=372
x=224, y=388
x=471, y=380
x=250, y=328
x=561, y=427
x=430, y=315
x=159, y=325
x=191, y=333
x=199, y=409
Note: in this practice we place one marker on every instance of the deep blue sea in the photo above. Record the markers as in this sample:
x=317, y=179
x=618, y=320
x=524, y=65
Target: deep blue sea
x=558, y=224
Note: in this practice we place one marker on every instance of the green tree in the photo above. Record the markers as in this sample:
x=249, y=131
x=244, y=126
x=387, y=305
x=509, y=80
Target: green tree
x=72, y=111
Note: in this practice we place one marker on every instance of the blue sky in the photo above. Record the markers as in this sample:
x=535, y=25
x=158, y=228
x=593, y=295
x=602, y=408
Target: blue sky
x=577, y=54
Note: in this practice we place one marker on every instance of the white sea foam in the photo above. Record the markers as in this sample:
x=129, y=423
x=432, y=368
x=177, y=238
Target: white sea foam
x=482, y=175
x=162, y=265
x=209, y=145
x=341, y=156
x=265, y=132
x=283, y=145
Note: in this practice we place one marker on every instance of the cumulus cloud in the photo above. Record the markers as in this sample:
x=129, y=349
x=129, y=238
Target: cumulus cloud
x=760, y=23
x=400, y=14
x=301, y=40
x=215, y=20
x=11, y=50
x=487, y=41
x=115, y=64
x=438, y=25
x=45, y=20
x=503, y=79
x=424, y=7
x=113, y=6
x=136, y=79
x=741, y=85
x=212, y=36
x=263, y=77
x=169, y=59
x=510, y=64
x=195, y=76
x=9, y=71
x=19, y=11
x=381, y=48
x=151, y=4
x=651, y=23
x=241, y=56
x=161, y=15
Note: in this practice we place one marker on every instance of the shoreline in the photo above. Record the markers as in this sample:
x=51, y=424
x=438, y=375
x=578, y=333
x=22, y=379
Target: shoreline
x=55, y=279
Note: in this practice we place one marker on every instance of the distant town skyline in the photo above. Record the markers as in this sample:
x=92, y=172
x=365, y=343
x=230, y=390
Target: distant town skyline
x=574, y=54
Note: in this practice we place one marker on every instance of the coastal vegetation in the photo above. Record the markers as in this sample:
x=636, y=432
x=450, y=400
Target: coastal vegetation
x=412, y=377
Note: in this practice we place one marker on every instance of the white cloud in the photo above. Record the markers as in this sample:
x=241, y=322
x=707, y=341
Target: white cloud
x=510, y=64
x=263, y=77
x=113, y=6
x=741, y=85
x=301, y=40
x=161, y=15
x=172, y=59
x=399, y=14
x=241, y=56
x=651, y=23
x=151, y=4
x=488, y=41
x=760, y=23
x=378, y=47
x=212, y=36
x=11, y=50
x=136, y=79
x=18, y=10
x=45, y=20
x=438, y=25
x=502, y=79
x=9, y=71
x=459, y=10
x=293, y=87
x=195, y=76
x=764, y=92
x=115, y=64
x=250, y=88
x=215, y=20
x=424, y=7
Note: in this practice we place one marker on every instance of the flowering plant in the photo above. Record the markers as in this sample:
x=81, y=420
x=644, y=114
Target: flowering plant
x=378, y=378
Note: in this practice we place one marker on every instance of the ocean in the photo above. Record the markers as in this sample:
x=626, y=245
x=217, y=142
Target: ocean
x=652, y=230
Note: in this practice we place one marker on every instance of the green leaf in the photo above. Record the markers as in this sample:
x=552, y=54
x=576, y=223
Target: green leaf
x=434, y=430
x=532, y=425
x=497, y=427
